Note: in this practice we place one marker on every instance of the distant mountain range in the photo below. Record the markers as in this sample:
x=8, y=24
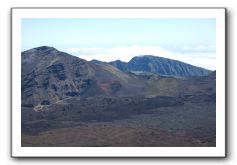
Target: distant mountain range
x=157, y=65
x=50, y=76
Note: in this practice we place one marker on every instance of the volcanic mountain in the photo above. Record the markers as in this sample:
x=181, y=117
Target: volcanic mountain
x=157, y=65
x=68, y=101
x=49, y=76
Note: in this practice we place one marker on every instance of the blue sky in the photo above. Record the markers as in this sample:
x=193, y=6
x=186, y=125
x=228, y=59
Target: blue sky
x=90, y=37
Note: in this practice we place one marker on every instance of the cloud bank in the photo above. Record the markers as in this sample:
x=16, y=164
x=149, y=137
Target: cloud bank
x=200, y=55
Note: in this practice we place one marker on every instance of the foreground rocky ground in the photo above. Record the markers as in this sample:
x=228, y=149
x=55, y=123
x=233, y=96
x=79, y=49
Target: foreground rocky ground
x=166, y=122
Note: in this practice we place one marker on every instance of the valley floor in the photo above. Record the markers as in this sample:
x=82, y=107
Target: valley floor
x=186, y=122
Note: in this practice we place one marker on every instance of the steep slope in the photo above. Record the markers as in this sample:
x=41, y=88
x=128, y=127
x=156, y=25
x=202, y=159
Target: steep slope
x=164, y=66
x=50, y=76
x=157, y=65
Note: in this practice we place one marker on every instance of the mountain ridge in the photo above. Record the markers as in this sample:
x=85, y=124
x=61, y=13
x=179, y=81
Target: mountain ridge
x=157, y=65
x=50, y=76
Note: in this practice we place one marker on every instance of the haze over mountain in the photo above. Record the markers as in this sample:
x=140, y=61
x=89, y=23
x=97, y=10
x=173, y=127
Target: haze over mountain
x=157, y=65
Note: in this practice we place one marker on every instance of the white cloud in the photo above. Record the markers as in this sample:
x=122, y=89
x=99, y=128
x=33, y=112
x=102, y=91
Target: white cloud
x=204, y=60
x=200, y=47
x=86, y=51
x=186, y=47
x=126, y=53
x=213, y=47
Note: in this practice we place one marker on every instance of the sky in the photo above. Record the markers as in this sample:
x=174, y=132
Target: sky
x=188, y=40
